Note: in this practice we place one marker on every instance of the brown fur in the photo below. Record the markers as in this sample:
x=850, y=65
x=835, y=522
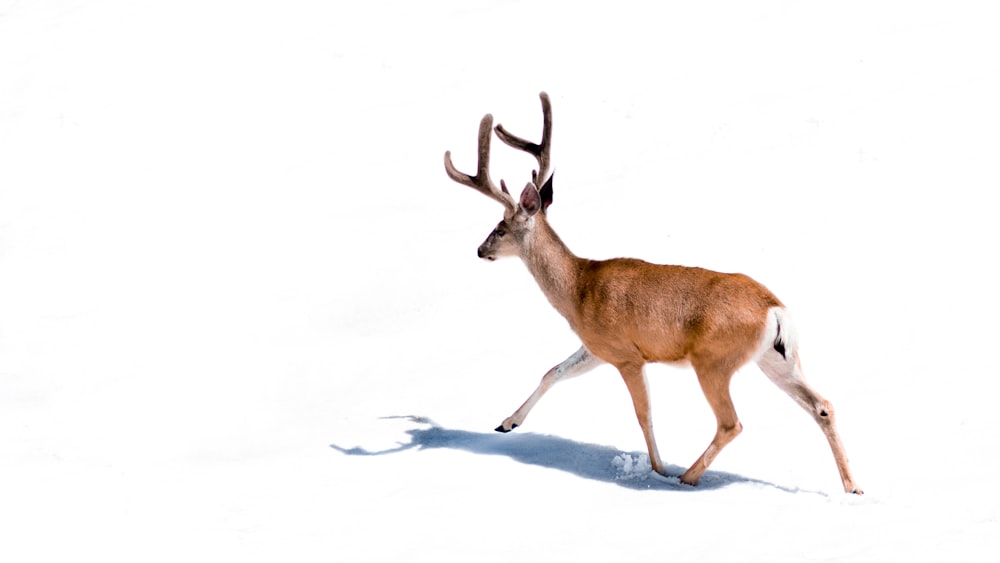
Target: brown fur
x=628, y=310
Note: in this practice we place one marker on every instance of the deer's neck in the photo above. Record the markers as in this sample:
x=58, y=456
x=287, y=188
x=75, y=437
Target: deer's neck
x=554, y=267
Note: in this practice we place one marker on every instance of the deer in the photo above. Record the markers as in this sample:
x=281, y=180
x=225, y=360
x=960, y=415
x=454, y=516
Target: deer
x=628, y=312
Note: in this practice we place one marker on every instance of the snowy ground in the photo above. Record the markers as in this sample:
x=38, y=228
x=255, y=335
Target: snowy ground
x=241, y=316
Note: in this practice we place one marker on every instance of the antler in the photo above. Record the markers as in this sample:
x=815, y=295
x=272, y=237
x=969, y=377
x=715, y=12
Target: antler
x=481, y=181
x=541, y=151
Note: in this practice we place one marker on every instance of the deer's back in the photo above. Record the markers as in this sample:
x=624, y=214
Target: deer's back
x=631, y=310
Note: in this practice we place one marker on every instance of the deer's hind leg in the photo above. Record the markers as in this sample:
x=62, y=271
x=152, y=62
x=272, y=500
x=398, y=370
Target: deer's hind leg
x=785, y=371
x=715, y=384
x=579, y=363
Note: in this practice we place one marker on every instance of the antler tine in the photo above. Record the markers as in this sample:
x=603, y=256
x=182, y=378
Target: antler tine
x=541, y=151
x=481, y=181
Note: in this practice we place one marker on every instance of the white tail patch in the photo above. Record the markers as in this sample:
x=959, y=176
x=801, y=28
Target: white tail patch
x=780, y=335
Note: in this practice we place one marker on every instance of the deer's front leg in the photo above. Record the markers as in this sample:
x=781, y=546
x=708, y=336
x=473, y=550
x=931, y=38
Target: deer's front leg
x=579, y=363
x=634, y=375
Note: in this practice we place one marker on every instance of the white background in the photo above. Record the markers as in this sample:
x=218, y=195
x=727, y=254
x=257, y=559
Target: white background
x=241, y=316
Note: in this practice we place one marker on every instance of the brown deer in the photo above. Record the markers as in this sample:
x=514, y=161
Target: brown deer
x=628, y=312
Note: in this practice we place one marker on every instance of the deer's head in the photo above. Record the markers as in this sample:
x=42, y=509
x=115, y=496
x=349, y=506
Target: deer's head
x=511, y=234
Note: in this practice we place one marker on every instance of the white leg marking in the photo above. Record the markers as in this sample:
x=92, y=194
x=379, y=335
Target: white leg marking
x=579, y=363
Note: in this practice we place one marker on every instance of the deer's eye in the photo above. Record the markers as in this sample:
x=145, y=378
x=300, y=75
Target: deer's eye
x=500, y=233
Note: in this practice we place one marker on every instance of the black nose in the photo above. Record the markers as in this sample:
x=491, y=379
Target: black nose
x=480, y=253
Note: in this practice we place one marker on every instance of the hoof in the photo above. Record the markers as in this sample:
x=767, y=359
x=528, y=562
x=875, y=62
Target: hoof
x=503, y=430
x=686, y=480
x=858, y=492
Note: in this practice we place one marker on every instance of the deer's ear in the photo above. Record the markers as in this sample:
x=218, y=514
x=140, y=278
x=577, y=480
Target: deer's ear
x=531, y=201
x=546, y=193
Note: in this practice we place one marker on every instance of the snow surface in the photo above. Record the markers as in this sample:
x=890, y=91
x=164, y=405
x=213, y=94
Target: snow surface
x=241, y=316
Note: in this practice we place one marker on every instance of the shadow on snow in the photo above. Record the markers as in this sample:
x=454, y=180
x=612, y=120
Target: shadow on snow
x=589, y=461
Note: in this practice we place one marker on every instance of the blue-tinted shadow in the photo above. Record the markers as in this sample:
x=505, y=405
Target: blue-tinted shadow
x=589, y=461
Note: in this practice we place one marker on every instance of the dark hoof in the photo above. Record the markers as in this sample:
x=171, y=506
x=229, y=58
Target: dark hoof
x=502, y=430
